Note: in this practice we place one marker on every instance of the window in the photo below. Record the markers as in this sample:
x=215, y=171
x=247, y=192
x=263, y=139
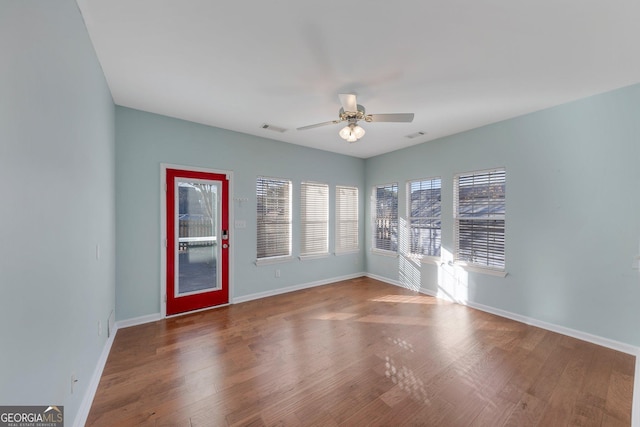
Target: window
x=385, y=227
x=314, y=205
x=274, y=217
x=479, y=211
x=424, y=217
x=346, y=219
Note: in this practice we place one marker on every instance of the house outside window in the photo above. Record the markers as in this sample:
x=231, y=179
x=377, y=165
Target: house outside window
x=479, y=214
x=385, y=218
x=425, y=223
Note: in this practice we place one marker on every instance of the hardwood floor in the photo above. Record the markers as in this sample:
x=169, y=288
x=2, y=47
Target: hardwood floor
x=357, y=353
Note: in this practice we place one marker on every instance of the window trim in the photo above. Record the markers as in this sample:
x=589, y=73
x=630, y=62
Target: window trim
x=481, y=269
x=466, y=265
x=273, y=260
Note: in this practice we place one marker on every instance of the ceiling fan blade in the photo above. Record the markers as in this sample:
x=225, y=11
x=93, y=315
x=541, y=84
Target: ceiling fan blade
x=399, y=117
x=317, y=125
x=349, y=103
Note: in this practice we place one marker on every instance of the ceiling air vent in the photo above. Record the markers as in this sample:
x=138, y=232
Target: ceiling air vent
x=415, y=135
x=273, y=128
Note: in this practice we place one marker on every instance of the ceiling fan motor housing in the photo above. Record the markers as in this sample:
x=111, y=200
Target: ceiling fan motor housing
x=352, y=115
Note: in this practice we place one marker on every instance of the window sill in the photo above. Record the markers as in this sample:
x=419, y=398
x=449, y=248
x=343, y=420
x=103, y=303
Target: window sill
x=314, y=256
x=428, y=259
x=273, y=260
x=384, y=253
x=482, y=270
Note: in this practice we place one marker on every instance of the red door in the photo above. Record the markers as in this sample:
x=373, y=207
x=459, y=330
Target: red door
x=197, y=240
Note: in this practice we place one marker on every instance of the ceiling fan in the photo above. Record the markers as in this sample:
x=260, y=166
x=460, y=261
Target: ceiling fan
x=352, y=112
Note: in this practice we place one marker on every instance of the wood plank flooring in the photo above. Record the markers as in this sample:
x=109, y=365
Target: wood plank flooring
x=357, y=353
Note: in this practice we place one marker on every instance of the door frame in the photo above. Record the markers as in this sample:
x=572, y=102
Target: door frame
x=163, y=233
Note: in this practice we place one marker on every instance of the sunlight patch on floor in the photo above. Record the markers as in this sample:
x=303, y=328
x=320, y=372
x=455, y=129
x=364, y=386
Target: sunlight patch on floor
x=402, y=344
x=411, y=299
x=334, y=316
x=396, y=320
x=406, y=379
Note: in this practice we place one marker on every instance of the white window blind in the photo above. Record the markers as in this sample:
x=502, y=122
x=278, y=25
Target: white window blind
x=274, y=217
x=385, y=226
x=425, y=224
x=314, y=218
x=479, y=209
x=346, y=219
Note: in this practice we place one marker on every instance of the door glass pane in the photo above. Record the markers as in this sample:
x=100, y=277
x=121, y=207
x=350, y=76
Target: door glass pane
x=198, y=243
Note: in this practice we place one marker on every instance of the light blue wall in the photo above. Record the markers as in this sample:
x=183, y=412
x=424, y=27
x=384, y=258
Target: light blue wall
x=573, y=205
x=57, y=166
x=144, y=141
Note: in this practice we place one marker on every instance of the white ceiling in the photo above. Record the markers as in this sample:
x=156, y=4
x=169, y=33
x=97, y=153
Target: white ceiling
x=456, y=64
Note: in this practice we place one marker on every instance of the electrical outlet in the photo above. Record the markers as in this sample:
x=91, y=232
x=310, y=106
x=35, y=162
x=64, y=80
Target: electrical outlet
x=277, y=272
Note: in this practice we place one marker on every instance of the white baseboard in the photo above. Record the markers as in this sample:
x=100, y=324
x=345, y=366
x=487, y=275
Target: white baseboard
x=385, y=279
x=90, y=393
x=280, y=291
x=120, y=324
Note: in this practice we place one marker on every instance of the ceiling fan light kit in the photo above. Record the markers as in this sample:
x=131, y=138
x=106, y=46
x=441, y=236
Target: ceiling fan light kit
x=351, y=112
x=352, y=132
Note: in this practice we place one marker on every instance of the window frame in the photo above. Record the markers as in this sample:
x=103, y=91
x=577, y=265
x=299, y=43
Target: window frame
x=287, y=223
x=490, y=220
x=346, y=218
x=410, y=218
x=305, y=220
x=393, y=187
